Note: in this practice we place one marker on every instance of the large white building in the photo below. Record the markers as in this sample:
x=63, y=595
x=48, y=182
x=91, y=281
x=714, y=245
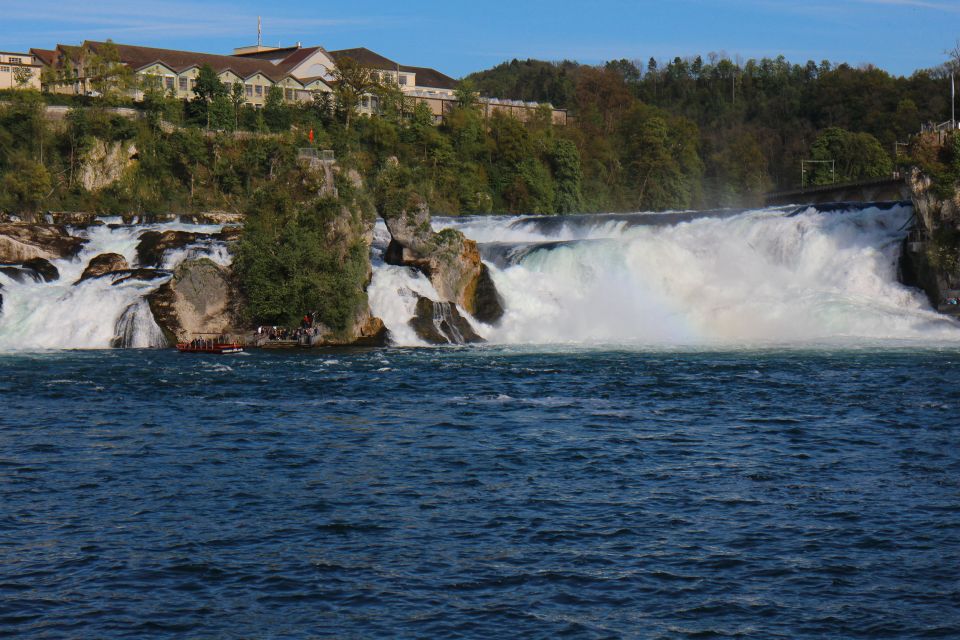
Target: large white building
x=19, y=71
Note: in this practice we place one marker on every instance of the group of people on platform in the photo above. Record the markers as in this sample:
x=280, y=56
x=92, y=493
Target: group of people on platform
x=275, y=334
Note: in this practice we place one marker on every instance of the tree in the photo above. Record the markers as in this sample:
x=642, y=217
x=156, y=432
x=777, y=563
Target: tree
x=857, y=156
x=466, y=95
x=237, y=99
x=287, y=265
x=352, y=81
x=107, y=74
x=207, y=88
x=275, y=113
x=28, y=184
x=22, y=76
x=661, y=155
x=221, y=114
x=565, y=162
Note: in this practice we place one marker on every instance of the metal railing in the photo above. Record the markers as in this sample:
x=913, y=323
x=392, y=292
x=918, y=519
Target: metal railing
x=320, y=155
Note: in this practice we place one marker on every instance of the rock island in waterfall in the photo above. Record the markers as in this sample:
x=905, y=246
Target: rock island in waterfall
x=312, y=340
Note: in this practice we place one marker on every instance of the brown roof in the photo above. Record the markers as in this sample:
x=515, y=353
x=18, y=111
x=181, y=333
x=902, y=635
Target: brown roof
x=299, y=56
x=138, y=57
x=365, y=57
x=269, y=54
x=427, y=77
x=46, y=56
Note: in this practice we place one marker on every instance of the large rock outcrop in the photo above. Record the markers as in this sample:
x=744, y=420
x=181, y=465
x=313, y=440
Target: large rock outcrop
x=21, y=242
x=200, y=298
x=154, y=244
x=366, y=330
x=103, y=264
x=930, y=259
x=448, y=258
x=441, y=323
x=105, y=163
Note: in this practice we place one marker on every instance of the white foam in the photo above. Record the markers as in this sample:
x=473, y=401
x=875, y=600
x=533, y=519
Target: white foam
x=96, y=313
x=757, y=278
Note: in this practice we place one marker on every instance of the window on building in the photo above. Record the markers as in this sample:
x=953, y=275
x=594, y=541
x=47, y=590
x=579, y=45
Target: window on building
x=375, y=76
x=249, y=89
x=168, y=82
x=366, y=102
x=289, y=94
x=259, y=88
x=183, y=84
x=403, y=81
x=5, y=69
x=14, y=60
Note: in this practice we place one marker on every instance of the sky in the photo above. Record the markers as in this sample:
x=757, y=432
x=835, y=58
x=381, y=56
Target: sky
x=458, y=37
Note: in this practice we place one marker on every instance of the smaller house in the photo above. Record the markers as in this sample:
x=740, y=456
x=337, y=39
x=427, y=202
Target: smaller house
x=19, y=71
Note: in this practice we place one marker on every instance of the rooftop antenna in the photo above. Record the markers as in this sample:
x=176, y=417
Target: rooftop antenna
x=259, y=32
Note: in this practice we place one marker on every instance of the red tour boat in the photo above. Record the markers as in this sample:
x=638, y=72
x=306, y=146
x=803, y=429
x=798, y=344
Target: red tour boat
x=217, y=346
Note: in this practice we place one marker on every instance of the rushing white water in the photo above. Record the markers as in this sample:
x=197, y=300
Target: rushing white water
x=98, y=312
x=751, y=278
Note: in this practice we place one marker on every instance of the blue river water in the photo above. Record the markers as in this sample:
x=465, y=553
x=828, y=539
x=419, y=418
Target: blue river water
x=490, y=492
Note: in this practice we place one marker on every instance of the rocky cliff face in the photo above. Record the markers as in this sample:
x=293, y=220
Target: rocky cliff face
x=105, y=163
x=448, y=258
x=931, y=255
x=200, y=298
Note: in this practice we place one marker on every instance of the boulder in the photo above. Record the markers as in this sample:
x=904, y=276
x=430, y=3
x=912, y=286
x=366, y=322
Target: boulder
x=43, y=268
x=138, y=274
x=448, y=258
x=103, y=264
x=366, y=331
x=153, y=245
x=20, y=242
x=200, y=298
x=36, y=270
x=18, y=274
x=229, y=234
x=487, y=303
x=441, y=323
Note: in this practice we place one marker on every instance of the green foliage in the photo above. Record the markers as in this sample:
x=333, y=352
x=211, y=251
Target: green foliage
x=275, y=113
x=660, y=154
x=565, y=162
x=26, y=185
x=288, y=267
x=207, y=89
x=857, y=156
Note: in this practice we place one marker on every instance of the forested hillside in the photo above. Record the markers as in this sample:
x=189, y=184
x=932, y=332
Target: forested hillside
x=749, y=124
x=690, y=134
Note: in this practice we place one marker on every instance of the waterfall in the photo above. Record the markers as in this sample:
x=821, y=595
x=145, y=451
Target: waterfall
x=445, y=324
x=137, y=329
x=754, y=278
x=96, y=313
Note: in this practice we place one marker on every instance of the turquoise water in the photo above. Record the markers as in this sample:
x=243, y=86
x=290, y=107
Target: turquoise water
x=443, y=493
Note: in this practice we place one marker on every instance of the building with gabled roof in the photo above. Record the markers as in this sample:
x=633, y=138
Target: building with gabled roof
x=300, y=72
x=175, y=71
x=19, y=70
